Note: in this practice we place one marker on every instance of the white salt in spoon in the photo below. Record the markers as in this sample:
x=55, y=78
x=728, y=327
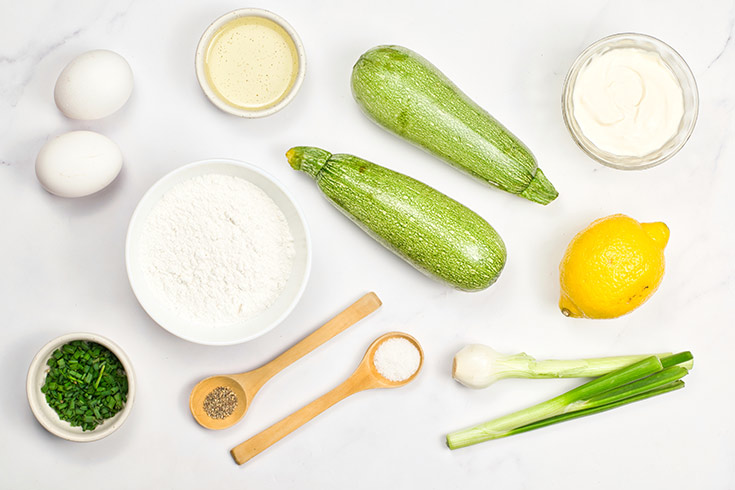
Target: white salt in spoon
x=365, y=377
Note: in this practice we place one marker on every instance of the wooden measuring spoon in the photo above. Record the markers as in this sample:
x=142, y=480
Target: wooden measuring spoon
x=365, y=377
x=246, y=385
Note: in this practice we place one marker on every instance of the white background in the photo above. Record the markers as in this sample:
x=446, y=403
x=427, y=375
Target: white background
x=62, y=266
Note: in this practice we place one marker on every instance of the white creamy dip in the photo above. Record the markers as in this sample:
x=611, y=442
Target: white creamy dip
x=628, y=102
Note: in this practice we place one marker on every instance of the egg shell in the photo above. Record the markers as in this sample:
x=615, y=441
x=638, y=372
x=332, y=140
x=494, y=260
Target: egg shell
x=94, y=85
x=78, y=163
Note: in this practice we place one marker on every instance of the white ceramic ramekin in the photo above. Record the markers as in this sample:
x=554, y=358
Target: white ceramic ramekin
x=46, y=415
x=203, y=46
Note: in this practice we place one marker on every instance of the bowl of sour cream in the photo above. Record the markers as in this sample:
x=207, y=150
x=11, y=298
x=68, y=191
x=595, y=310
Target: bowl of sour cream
x=630, y=101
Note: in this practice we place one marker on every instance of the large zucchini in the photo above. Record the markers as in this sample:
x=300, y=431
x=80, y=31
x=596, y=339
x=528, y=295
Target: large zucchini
x=431, y=231
x=409, y=96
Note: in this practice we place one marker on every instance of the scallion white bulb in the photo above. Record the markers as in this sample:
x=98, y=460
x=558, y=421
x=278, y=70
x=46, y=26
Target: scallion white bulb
x=479, y=366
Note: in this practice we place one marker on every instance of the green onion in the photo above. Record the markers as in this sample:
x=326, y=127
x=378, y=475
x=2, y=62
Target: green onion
x=479, y=366
x=684, y=359
x=590, y=411
x=80, y=379
x=654, y=381
x=645, y=378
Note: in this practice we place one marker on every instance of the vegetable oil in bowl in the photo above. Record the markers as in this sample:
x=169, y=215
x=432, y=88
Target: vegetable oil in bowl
x=250, y=63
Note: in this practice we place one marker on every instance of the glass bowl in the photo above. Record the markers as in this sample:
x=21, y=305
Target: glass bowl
x=680, y=70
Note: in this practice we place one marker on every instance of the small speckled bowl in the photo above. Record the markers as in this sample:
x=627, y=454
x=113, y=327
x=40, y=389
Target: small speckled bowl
x=203, y=46
x=46, y=415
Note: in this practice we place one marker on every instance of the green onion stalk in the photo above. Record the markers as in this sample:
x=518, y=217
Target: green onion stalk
x=479, y=366
x=643, y=379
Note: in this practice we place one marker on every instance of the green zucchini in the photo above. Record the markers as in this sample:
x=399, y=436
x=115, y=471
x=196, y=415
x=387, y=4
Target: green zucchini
x=404, y=93
x=431, y=231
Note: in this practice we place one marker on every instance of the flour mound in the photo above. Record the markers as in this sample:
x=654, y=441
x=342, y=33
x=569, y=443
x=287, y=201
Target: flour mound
x=217, y=249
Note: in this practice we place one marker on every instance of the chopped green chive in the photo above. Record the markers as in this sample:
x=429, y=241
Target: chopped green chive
x=97, y=383
x=85, y=384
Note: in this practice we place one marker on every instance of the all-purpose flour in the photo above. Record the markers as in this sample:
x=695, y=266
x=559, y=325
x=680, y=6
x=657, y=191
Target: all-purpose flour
x=217, y=248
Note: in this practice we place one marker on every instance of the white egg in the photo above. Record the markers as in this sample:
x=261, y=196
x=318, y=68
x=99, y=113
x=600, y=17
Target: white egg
x=94, y=85
x=78, y=163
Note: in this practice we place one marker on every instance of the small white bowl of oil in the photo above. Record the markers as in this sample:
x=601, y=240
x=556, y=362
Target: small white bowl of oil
x=250, y=63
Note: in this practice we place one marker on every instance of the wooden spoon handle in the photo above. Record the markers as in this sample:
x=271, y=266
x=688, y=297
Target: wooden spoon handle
x=351, y=315
x=262, y=441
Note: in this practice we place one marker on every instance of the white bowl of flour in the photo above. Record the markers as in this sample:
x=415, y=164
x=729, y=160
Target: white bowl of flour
x=218, y=252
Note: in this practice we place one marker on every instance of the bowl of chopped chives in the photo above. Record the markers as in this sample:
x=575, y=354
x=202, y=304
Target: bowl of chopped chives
x=81, y=387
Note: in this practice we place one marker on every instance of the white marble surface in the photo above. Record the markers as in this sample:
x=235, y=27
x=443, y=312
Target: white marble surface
x=63, y=270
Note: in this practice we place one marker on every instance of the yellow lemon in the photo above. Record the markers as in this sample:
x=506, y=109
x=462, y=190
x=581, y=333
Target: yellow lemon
x=612, y=267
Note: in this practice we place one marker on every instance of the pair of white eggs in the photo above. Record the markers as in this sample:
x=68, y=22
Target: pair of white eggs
x=93, y=85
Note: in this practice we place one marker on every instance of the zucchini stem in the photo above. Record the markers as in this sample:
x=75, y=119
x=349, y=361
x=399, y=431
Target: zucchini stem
x=307, y=159
x=540, y=189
